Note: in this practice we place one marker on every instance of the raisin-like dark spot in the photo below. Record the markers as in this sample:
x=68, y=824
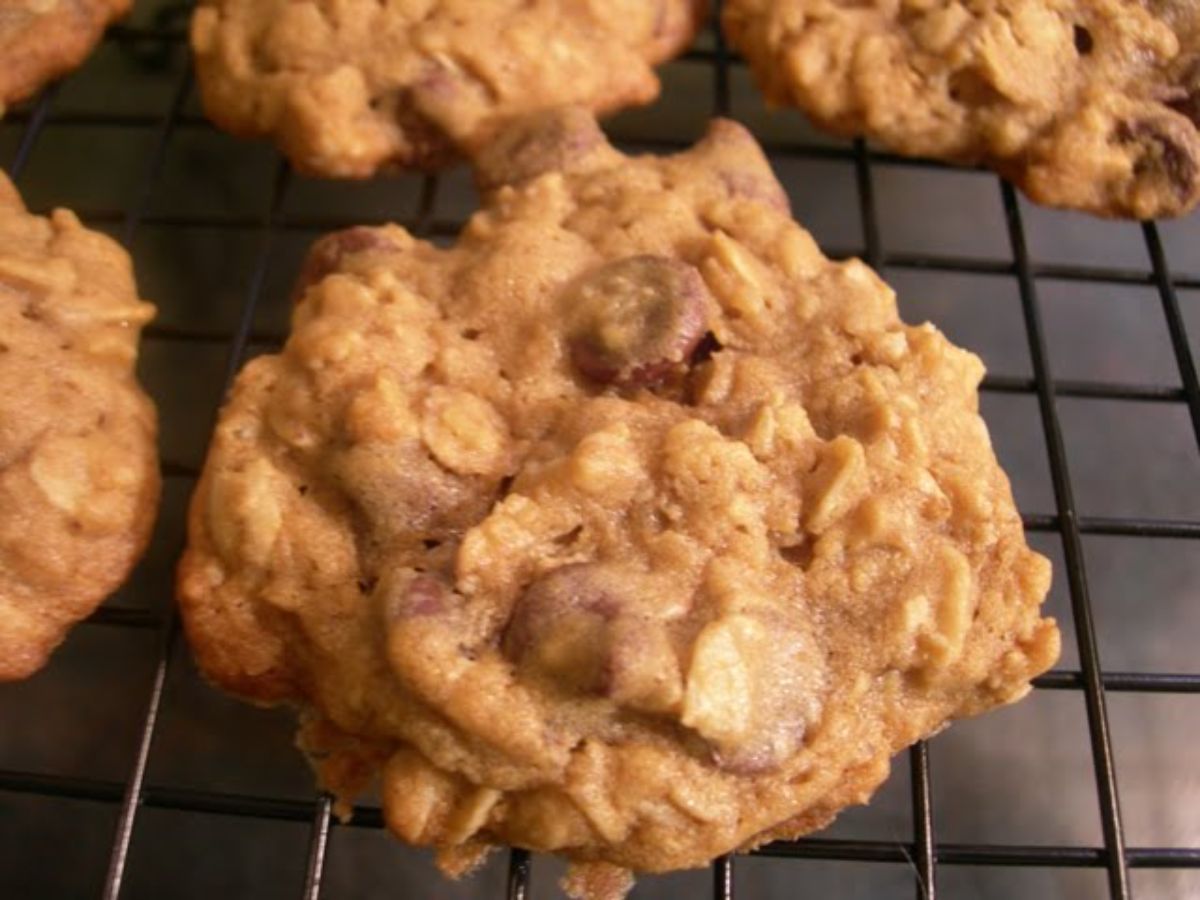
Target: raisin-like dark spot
x=751, y=186
x=427, y=147
x=435, y=82
x=1187, y=105
x=421, y=595
x=705, y=349
x=504, y=487
x=970, y=88
x=1167, y=146
x=568, y=538
x=326, y=255
x=635, y=321
x=799, y=555
x=1184, y=97
x=1083, y=40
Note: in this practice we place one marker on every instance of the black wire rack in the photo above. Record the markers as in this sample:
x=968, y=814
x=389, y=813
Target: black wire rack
x=164, y=41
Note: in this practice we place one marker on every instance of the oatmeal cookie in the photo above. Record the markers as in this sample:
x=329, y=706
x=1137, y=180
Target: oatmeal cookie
x=349, y=87
x=43, y=39
x=79, y=476
x=1086, y=104
x=630, y=527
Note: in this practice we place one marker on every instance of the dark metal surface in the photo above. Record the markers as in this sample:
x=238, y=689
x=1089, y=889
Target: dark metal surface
x=164, y=784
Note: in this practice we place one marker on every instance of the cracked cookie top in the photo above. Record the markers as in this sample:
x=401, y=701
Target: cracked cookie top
x=629, y=527
x=43, y=39
x=78, y=467
x=1087, y=104
x=349, y=87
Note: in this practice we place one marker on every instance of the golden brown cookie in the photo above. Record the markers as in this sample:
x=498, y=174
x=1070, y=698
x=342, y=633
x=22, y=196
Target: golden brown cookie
x=630, y=527
x=1087, y=104
x=79, y=476
x=43, y=39
x=349, y=87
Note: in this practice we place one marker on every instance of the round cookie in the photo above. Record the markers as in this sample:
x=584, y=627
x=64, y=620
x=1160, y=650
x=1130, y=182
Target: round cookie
x=1086, y=104
x=43, y=39
x=630, y=527
x=350, y=87
x=79, y=477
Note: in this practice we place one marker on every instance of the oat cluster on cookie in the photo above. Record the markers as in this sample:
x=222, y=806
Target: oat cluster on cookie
x=79, y=478
x=629, y=527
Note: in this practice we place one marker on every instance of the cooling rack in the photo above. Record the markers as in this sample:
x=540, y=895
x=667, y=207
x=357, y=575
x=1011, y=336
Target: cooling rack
x=121, y=142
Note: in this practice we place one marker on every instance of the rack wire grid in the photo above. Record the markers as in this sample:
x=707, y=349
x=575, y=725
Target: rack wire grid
x=122, y=774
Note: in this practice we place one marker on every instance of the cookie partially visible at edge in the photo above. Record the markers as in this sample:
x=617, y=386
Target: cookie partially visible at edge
x=1085, y=104
x=79, y=478
x=43, y=39
x=350, y=87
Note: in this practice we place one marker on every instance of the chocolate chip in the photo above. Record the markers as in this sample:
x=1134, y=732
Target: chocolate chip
x=560, y=626
x=326, y=255
x=577, y=627
x=634, y=321
x=401, y=494
x=554, y=141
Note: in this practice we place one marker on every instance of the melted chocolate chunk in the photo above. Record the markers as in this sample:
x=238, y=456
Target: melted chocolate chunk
x=634, y=321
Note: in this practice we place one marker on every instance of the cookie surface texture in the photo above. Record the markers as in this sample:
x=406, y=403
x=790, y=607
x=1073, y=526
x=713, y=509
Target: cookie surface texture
x=349, y=87
x=630, y=527
x=43, y=39
x=79, y=478
x=1085, y=104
